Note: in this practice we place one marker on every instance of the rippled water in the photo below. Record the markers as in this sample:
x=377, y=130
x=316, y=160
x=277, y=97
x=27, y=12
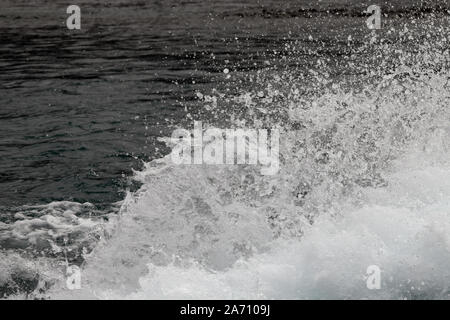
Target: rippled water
x=81, y=109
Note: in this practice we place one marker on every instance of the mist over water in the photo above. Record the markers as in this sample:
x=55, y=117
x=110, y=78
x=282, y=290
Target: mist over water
x=364, y=153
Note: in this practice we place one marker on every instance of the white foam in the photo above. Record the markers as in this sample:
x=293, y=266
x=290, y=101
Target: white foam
x=41, y=227
x=364, y=180
x=404, y=229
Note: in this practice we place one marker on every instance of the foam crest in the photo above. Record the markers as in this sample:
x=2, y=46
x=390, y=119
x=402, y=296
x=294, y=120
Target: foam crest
x=403, y=228
x=364, y=180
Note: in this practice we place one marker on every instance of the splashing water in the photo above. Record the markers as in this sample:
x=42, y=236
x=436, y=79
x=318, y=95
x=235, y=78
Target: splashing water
x=364, y=180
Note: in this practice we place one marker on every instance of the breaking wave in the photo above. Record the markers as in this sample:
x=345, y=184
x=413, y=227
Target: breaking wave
x=364, y=180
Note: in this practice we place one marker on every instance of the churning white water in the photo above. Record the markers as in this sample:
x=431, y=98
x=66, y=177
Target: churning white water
x=403, y=228
x=364, y=180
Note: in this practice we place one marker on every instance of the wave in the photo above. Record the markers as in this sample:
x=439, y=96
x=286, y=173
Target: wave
x=180, y=239
x=402, y=229
x=364, y=180
x=39, y=241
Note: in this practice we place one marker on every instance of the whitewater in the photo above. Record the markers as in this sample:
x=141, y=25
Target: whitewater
x=364, y=180
x=403, y=228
